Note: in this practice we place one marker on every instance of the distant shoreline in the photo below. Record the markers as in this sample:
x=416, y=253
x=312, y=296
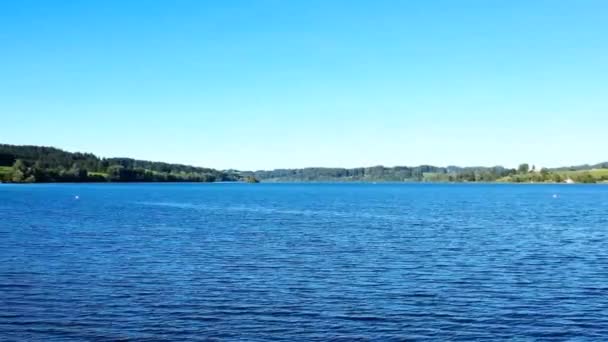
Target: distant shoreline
x=307, y=182
x=40, y=164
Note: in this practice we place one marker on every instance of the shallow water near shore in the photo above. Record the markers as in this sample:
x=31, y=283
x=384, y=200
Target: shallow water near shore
x=303, y=261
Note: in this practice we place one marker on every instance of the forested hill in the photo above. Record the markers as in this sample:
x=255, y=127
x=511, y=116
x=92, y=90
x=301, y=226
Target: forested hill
x=391, y=174
x=381, y=173
x=47, y=164
x=427, y=173
x=36, y=164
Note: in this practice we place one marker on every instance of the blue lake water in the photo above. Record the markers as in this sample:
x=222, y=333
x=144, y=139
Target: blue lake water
x=303, y=262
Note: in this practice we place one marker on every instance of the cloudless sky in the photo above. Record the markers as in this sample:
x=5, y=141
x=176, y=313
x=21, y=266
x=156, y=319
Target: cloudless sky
x=276, y=84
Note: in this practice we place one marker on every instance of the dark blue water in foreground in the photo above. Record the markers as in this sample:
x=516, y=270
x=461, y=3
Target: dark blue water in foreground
x=303, y=262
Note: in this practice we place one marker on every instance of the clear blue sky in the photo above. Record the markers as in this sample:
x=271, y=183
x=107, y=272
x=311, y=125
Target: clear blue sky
x=270, y=84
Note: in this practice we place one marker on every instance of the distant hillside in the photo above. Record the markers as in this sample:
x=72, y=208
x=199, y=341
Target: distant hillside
x=38, y=164
x=49, y=164
x=390, y=174
x=427, y=173
x=584, y=167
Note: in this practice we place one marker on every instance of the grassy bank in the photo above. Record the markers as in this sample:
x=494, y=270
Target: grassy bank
x=578, y=176
x=598, y=174
x=5, y=171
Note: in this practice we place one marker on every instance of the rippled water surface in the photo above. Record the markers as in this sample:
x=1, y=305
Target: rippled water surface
x=303, y=262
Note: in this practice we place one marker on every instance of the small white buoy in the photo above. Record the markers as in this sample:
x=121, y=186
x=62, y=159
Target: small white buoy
x=76, y=197
x=555, y=196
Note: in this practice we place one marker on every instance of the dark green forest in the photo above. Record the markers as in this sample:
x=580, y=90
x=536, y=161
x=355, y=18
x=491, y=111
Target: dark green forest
x=427, y=173
x=37, y=164
x=391, y=174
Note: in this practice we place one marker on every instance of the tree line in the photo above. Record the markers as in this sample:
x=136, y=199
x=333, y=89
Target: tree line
x=391, y=174
x=427, y=173
x=37, y=164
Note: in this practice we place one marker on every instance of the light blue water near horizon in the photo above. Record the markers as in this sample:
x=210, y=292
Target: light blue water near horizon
x=303, y=261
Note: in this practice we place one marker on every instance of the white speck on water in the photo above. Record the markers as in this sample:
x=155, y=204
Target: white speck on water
x=555, y=196
x=76, y=197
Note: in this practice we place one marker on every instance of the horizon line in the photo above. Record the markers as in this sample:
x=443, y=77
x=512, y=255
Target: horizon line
x=317, y=167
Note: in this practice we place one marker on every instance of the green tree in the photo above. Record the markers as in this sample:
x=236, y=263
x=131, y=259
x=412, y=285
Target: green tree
x=544, y=173
x=115, y=172
x=251, y=179
x=19, y=171
x=585, y=177
x=557, y=178
x=523, y=168
x=17, y=176
x=78, y=172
